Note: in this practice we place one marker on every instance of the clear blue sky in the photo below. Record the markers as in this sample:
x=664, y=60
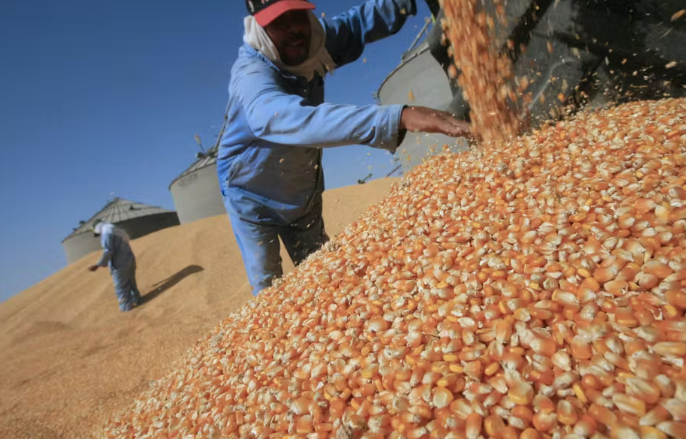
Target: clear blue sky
x=101, y=97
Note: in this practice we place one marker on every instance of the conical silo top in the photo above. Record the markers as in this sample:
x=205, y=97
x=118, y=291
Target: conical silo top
x=202, y=161
x=117, y=211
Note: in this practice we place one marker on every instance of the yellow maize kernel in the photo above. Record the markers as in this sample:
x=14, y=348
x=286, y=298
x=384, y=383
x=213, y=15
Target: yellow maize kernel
x=583, y=273
x=492, y=369
x=456, y=368
x=579, y=392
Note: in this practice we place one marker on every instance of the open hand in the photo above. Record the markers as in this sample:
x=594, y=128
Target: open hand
x=428, y=120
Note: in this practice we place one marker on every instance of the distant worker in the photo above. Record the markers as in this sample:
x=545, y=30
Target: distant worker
x=270, y=157
x=122, y=262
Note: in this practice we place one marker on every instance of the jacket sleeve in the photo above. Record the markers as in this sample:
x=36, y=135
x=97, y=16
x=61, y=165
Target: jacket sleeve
x=107, y=245
x=347, y=33
x=275, y=116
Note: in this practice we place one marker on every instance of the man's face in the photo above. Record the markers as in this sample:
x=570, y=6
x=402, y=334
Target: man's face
x=291, y=34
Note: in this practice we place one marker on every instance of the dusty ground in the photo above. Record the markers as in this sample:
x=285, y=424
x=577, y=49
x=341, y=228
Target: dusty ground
x=70, y=359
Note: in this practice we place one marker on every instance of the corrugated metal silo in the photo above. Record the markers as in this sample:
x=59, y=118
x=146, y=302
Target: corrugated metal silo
x=420, y=80
x=196, y=191
x=137, y=219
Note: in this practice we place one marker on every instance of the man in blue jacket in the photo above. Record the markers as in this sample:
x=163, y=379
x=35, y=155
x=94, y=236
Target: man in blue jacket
x=118, y=255
x=270, y=158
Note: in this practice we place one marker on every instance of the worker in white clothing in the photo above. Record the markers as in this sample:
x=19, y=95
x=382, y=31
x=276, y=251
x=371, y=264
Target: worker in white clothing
x=117, y=254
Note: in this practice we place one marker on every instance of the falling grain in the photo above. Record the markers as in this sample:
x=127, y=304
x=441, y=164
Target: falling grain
x=486, y=77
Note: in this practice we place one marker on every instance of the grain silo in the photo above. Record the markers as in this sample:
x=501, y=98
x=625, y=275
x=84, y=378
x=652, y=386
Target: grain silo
x=196, y=192
x=137, y=219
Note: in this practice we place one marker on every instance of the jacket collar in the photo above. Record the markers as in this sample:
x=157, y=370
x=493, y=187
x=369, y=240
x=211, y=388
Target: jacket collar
x=250, y=51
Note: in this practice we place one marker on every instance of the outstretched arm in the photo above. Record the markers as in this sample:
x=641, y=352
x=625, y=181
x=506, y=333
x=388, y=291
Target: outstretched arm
x=106, y=241
x=276, y=116
x=348, y=33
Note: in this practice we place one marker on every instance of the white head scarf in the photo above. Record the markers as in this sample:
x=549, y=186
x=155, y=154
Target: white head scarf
x=103, y=227
x=319, y=60
x=98, y=228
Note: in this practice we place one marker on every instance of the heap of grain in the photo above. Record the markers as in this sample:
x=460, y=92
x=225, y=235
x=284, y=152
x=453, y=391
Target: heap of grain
x=486, y=75
x=535, y=292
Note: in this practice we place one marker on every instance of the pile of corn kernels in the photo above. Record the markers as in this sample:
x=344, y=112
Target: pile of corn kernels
x=486, y=76
x=537, y=291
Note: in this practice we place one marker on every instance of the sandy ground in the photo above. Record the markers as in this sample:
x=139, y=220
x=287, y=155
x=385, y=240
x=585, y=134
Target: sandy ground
x=70, y=359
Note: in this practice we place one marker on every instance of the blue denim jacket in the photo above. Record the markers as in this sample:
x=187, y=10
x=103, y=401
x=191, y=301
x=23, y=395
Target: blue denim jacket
x=270, y=157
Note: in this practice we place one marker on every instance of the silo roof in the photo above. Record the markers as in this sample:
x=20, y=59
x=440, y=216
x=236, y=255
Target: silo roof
x=117, y=211
x=209, y=159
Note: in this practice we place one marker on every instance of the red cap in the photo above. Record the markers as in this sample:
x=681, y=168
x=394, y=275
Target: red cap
x=278, y=8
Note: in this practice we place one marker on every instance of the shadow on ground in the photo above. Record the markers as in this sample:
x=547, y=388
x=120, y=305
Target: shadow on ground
x=170, y=282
